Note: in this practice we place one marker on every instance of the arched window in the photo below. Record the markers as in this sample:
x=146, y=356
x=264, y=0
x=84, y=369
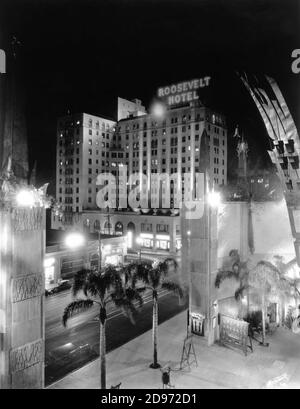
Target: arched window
x=86, y=224
x=96, y=225
x=107, y=228
x=119, y=228
x=131, y=227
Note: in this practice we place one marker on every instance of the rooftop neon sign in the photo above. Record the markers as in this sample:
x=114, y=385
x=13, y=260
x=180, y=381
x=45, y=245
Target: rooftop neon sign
x=182, y=92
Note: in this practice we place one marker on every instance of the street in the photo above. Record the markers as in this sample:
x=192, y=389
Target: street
x=68, y=349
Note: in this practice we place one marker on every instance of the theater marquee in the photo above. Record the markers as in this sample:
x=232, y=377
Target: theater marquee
x=183, y=91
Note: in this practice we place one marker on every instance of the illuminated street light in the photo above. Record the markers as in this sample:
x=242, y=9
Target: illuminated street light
x=25, y=198
x=74, y=240
x=214, y=199
x=158, y=110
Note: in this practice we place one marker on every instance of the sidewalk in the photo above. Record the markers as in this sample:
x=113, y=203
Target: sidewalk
x=277, y=366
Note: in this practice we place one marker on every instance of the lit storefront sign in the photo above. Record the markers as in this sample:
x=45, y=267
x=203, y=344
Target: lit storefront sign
x=49, y=270
x=163, y=241
x=182, y=92
x=113, y=255
x=178, y=244
x=146, y=240
x=113, y=259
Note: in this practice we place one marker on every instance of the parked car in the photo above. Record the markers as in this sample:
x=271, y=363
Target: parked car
x=63, y=285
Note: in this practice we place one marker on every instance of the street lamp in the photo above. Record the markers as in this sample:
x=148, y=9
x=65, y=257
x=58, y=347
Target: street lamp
x=214, y=199
x=158, y=110
x=139, y=241
x=74, y=240
x=25, y=198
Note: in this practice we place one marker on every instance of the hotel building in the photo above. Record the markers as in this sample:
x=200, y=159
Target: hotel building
x=83, y=151
x=189, y=138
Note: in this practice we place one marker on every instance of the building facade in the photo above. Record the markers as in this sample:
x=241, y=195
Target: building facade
x=62, y=263
x=186, y=139
x=83, y=151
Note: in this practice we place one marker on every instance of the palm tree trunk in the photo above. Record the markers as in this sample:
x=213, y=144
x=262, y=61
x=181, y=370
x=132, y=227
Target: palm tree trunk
x=263, y=319
x=155, y=363
x=248, y=301
x=102, y=354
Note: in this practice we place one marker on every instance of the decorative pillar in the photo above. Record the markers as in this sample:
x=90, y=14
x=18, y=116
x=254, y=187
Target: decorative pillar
x=199, y=263
x=22, y=244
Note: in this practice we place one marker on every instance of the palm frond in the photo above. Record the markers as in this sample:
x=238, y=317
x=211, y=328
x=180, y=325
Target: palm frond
x=223, y=275
x=264, y=275
x=239, y=294
x=174, y=287
x=141, y=272
x=79, y=281
x=126, y=304
x=164, y=265
x=76, y=307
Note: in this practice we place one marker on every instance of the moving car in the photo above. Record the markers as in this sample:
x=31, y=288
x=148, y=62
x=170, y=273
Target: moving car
x=61, y=286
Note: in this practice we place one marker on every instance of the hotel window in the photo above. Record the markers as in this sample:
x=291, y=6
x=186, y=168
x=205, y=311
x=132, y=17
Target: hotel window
x=162, y=228
x=197, y=127
x=146, y=227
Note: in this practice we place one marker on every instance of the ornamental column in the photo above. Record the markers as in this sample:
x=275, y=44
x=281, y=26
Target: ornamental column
x=22, y=244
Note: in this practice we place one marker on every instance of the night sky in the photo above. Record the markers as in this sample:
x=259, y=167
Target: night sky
x=80, y=55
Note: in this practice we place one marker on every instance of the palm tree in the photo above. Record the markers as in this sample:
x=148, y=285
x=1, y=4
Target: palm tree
x=239, y=271
x=267, y=281
x=100, y=288
x=153, y=279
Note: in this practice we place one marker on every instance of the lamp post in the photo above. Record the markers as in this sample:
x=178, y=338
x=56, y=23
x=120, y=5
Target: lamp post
x=139, y=241
x=76, y=240
x=99, y=250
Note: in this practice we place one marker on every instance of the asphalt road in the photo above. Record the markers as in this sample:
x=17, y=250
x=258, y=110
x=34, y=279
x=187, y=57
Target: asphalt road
x=67, y=349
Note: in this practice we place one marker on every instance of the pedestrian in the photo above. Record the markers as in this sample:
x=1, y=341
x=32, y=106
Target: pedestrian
x=166, y=383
